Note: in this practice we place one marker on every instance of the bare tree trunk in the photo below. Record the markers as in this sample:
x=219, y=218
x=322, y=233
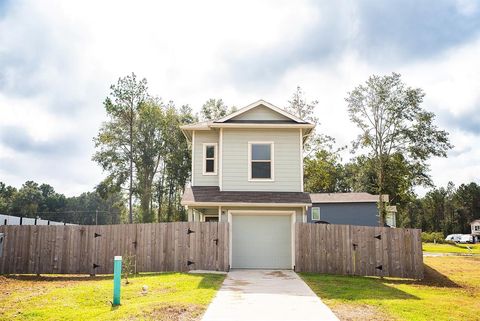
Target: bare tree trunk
x=151, y=205
x=130, y=190
x=169, y=213
x=160, y=192
x=381, y=202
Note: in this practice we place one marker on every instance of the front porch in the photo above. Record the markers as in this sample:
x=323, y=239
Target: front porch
x=206, y=214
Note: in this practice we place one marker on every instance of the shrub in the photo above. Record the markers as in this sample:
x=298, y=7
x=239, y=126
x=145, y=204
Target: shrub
x=128, y=267
x=433, y=237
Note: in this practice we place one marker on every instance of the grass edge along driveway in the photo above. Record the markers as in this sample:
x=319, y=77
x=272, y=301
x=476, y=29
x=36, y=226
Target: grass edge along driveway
x=450, y=291
x=170, y=296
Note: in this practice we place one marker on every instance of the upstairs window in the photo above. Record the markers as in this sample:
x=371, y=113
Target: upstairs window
x=209, y=159
x=477, y=227
x=260, y=161
x=315, y=213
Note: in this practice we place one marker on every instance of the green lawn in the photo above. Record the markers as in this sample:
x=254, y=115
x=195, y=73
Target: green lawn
x=450, y=291
x=451, y=248
x=170, y=296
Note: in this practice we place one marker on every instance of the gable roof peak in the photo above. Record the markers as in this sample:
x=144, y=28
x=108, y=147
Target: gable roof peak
x=258, y=103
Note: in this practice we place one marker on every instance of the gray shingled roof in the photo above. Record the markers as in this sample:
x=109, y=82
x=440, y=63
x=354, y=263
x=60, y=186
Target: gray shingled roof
x=212, y=194
x=345, y=198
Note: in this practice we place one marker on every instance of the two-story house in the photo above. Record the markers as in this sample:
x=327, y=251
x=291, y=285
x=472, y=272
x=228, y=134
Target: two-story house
x=247, y=170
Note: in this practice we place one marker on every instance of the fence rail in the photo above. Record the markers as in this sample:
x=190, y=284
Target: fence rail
x=358, y=250
x=156, y=247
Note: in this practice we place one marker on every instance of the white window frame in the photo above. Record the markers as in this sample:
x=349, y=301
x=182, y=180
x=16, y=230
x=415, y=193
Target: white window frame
x=272, y=162
x=215, y=159
x=319, y=215
x=476, y=228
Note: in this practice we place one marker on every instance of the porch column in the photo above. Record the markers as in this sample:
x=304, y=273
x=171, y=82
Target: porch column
x=190, y=214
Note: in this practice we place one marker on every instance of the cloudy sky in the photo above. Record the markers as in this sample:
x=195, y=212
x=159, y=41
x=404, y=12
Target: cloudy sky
x=58, y=59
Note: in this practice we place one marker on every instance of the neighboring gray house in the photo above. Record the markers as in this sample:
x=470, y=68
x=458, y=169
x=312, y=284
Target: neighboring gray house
x=348, y=208
x=247, y=170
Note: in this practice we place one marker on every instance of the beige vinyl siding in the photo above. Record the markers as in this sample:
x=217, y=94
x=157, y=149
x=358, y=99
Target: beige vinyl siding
x=201, y=137
x=287, y=176
x=260, y=113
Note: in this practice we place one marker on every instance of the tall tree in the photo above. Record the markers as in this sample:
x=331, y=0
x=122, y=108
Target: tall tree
x=322, y=168
x=214, y=109
x=466, y=203
x=27, y=200
x=391, y=120
x=323, y=173
x=6, y=197
x=115, y=141
x=299, y=106
x=150, y=141
x=176, y=166
x=437, y=210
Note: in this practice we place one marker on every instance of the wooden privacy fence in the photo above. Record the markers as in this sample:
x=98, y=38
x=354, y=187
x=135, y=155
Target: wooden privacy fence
x=358, y=250
x=156, y=247
x=182, y=246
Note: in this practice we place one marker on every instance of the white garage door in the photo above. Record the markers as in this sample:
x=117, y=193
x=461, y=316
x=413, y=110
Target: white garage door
x=261, y=241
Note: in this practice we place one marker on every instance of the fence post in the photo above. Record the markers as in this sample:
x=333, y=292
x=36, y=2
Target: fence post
x=117, y=279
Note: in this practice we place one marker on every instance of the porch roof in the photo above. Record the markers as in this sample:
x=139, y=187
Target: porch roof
x=211, y=195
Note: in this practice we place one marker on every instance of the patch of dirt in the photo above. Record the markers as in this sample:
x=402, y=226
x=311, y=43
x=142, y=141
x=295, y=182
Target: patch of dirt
x=347, y=312
x=36, y=285
x=173, y=313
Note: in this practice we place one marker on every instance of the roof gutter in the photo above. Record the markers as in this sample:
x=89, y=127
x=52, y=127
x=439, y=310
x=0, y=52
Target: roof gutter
x=241, y=204
x=251, y=125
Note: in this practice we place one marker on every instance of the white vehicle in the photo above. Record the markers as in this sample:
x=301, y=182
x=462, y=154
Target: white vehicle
x=454, y=237
x=466, y=238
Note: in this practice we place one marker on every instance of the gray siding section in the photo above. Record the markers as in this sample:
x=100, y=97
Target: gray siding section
x=365, y=214
x=286, y=160
x=201, y=137
x=260, y=113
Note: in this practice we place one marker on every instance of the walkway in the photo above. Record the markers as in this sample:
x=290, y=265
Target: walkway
x=266, y=295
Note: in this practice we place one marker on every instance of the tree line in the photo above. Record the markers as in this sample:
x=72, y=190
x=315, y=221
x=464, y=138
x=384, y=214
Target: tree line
x=40, y=200
x=147, y=160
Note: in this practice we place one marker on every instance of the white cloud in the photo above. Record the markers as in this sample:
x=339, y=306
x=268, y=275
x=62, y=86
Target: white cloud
x=59, y=58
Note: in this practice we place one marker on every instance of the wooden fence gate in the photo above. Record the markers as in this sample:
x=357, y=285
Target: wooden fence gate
x=154, y=247
x=358, y=250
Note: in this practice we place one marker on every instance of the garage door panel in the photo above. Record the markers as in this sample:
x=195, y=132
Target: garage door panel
x=261, y=241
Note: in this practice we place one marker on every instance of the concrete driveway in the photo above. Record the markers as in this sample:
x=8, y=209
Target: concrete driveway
x=266, y=295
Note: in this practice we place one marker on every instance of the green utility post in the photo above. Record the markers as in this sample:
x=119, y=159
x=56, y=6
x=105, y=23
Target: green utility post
x=117, y=279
